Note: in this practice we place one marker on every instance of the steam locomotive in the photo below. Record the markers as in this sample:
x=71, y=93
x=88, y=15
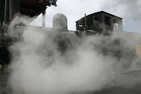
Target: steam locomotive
x=99, y=23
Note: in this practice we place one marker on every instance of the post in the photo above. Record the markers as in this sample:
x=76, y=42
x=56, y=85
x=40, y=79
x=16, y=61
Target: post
x=120, y=27
x=85, y=20
x=5, y=11
x=43, y=18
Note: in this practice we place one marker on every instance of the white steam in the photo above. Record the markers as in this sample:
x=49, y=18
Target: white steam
x=48, y=62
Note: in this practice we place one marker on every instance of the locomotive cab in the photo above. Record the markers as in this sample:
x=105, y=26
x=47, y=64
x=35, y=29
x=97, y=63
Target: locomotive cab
x=100, y=22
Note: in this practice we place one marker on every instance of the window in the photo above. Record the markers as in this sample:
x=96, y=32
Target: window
x=95, y=21
x=108, y=21
x=115, y=24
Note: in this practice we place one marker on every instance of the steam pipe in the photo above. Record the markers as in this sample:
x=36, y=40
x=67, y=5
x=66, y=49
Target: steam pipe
x=10, y=14
x=4, y=22
x=5, y=11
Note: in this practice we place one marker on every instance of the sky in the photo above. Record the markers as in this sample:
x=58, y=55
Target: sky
x=129, y=10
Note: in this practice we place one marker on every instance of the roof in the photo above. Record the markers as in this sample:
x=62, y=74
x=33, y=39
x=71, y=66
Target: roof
x=108, y=14
x=99, y=12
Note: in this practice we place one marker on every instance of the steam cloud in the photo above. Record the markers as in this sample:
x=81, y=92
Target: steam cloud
x=45, y=61
x=129, y=10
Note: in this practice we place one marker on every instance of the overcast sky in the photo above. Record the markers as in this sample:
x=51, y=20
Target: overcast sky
x=129, y=10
